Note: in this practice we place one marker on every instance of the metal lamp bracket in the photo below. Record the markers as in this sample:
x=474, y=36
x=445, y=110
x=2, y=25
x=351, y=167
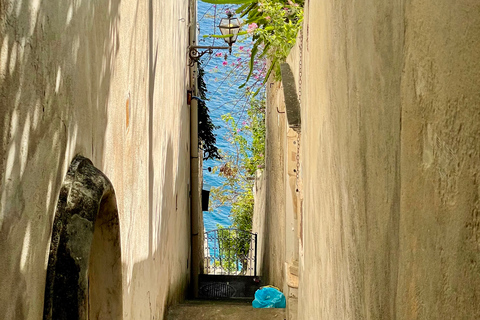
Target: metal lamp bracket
x=195, y=54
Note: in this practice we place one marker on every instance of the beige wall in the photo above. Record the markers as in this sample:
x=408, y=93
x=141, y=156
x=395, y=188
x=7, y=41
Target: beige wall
x=440, y=150
x=258, y=219
x=390, y=160
x=274, y=238
x=107, y=80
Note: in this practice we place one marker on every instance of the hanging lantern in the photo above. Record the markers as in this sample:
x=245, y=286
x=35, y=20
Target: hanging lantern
x=229, y=26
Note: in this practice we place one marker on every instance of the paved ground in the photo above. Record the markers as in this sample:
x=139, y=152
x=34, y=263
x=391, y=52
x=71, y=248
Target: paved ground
x=219, y=310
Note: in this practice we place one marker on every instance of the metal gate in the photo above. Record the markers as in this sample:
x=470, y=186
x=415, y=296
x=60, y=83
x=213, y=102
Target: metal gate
x=231, y=251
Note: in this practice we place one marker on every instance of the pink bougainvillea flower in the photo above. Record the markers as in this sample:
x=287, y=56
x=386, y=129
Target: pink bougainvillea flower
x=240, y=48
x=252, y=27
x=218, y=54
x=224, y=63
x=267, y=18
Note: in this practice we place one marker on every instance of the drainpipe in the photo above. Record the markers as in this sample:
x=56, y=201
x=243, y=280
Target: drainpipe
x=195, y=207
x=194, y=165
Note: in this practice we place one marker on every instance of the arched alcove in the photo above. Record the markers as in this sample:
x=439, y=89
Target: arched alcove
x=84, y=277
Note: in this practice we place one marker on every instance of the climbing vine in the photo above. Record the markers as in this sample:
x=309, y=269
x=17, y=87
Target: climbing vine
x=238, y=169
x=206, y=127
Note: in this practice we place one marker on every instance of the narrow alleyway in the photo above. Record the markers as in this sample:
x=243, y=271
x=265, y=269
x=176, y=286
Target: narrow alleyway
x=222, y=310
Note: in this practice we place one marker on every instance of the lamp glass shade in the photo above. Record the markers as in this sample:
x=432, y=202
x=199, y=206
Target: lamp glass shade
x=229, y=26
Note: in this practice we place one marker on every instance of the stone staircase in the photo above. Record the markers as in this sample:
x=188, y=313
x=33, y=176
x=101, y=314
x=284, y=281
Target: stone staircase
x=222, y=310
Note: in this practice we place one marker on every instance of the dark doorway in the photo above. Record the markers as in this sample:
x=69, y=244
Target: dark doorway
x=84, y=278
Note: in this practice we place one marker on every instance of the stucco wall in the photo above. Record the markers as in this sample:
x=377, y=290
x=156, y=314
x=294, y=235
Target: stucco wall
x=258, y=219
x=439, y=274
x=390, y=160
x=106, y=80
x=274, y=238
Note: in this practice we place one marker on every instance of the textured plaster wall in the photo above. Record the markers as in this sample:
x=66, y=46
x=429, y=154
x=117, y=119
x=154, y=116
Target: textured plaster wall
x=274, y=237
x=258, y=219
x=390, y=160
x=106, y=79
x=440, y=162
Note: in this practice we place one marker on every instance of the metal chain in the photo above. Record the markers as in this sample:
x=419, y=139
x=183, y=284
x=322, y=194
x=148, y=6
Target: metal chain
x=300, y=102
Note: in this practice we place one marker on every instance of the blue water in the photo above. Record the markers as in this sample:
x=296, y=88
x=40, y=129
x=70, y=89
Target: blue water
x=223, y=96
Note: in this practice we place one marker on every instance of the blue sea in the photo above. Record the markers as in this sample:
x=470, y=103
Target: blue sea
x=223, y=94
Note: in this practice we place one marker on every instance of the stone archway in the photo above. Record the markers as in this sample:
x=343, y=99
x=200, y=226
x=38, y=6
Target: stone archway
x=84, y=278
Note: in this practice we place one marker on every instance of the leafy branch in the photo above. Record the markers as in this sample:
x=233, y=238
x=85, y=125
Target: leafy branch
x=205, y=125
x=274, y=25
x=238, y=169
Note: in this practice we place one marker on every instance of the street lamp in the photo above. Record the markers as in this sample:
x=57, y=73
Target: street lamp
x=228, y=26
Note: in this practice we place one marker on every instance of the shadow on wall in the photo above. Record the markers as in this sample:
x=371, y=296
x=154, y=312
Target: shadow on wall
x=56, y=60
x=167, y=266
x=84, y=277
x=160, y=279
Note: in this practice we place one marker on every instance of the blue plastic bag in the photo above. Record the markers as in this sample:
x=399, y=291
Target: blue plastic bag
x=269, y=297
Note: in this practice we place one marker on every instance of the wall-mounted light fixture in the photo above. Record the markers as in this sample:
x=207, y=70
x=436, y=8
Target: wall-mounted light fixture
x=228, y=26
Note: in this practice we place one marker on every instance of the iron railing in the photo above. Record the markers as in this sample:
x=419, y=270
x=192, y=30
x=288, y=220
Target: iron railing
x=231, y=251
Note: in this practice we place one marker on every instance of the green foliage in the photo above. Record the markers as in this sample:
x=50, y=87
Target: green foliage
x=246, y=134
x=234, y=247
x=274, y=25
x=205, y=125
x=239, y=169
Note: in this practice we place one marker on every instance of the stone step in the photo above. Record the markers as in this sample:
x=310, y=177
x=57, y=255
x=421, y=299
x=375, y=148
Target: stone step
x=222, y=310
